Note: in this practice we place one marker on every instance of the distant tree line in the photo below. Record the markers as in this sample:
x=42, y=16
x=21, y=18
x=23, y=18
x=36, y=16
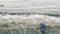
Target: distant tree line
x=27, y=13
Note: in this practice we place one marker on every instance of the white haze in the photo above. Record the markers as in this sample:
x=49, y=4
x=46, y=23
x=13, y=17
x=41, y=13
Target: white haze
x=30, y=3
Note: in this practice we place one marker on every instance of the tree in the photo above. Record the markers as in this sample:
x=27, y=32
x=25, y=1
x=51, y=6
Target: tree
x=1, y=5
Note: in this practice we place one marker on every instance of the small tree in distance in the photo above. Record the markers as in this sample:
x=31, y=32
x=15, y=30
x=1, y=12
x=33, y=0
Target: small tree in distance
x=1, y=5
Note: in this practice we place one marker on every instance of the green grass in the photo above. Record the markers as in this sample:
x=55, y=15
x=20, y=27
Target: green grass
x=5, y=29
x=48, y=11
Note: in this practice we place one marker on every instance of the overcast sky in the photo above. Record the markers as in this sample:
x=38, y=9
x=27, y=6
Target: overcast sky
x=30, y=3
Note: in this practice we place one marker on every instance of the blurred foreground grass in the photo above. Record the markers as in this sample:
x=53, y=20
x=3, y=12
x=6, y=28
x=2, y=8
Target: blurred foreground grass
x=6, y=29
x=28, y=26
